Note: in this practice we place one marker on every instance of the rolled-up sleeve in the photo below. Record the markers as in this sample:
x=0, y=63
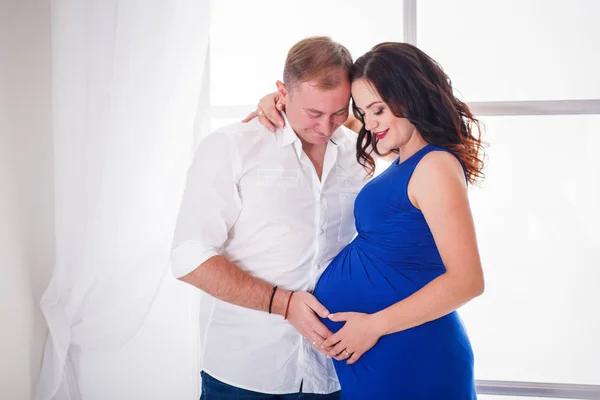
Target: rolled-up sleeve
x=210, y=206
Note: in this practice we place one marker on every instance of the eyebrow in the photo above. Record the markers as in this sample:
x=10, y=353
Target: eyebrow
x=312, y=110
x=373, y=103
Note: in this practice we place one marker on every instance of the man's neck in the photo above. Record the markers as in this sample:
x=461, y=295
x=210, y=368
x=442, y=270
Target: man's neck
x=316, y=154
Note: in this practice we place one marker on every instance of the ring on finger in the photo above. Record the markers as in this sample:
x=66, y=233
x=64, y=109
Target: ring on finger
x=346, y=351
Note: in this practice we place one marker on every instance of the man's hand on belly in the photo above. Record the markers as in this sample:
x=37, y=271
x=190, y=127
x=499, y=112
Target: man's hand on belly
x=303, y=314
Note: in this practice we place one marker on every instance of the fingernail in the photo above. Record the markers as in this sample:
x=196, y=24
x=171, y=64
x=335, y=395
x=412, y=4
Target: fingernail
x=281, y=124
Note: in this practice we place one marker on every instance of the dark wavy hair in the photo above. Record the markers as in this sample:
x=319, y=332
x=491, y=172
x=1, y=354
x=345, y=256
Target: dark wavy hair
x=415, y=87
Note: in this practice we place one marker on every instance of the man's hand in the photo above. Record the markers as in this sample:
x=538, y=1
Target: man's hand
x=303, y=313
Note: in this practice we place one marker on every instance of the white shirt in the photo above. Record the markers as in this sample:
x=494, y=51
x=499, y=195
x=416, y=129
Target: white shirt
x=254, y=197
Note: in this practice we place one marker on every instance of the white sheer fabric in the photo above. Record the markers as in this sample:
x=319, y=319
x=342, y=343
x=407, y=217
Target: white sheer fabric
x=127, y=82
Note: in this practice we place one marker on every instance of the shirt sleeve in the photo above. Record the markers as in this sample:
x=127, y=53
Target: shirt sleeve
x=210, y=206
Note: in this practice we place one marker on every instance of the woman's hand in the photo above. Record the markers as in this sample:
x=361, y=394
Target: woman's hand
x=357, y=336
x=267, y=112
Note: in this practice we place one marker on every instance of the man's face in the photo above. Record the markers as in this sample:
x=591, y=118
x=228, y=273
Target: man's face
x=314, y=113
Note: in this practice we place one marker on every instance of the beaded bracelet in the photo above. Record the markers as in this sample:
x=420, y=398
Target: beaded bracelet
x=272, y=296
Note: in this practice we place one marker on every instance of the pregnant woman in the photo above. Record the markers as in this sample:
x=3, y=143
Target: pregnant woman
x=394, y=290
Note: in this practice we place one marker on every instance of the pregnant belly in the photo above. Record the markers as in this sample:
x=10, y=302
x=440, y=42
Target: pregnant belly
x=356, y=282
x=436, y=354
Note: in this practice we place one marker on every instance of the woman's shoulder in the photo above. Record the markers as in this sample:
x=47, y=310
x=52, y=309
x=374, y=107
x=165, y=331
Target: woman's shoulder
x=439, y=165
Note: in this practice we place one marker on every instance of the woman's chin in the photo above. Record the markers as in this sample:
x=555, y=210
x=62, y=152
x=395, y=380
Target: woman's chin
x=383, y=150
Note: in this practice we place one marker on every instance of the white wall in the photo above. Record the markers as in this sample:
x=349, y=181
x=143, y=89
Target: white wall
x=26, y=191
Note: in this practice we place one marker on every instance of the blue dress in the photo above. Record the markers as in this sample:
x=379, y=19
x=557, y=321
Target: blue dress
x=393, y=256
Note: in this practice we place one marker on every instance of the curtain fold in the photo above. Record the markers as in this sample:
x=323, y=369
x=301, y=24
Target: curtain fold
x=129, y=93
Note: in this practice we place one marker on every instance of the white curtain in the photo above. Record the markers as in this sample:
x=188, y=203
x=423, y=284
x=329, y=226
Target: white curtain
x=128, y=79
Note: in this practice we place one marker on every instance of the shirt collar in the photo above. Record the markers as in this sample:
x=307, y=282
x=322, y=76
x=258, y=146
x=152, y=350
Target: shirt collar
x=287, y=136
x=337, y=136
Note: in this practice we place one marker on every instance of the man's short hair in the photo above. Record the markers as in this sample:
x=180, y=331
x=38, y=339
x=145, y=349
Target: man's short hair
x=319, y=59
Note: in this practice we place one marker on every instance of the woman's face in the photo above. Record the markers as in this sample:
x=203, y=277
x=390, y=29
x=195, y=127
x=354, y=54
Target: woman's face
x=389, y=132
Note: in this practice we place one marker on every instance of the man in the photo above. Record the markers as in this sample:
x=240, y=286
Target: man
x=262, y=216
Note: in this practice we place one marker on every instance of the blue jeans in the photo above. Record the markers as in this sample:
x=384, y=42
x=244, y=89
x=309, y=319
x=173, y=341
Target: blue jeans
x=214, y=389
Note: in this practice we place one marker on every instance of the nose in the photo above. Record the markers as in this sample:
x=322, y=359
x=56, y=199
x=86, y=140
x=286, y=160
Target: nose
x=370, y=123
x=326, y=126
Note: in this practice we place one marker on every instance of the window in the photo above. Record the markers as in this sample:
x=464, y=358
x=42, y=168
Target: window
x=507, y=50
x=246, y=64
x=537, y=218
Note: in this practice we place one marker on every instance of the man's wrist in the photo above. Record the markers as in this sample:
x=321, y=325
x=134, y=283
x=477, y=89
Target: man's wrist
x=280, y=301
